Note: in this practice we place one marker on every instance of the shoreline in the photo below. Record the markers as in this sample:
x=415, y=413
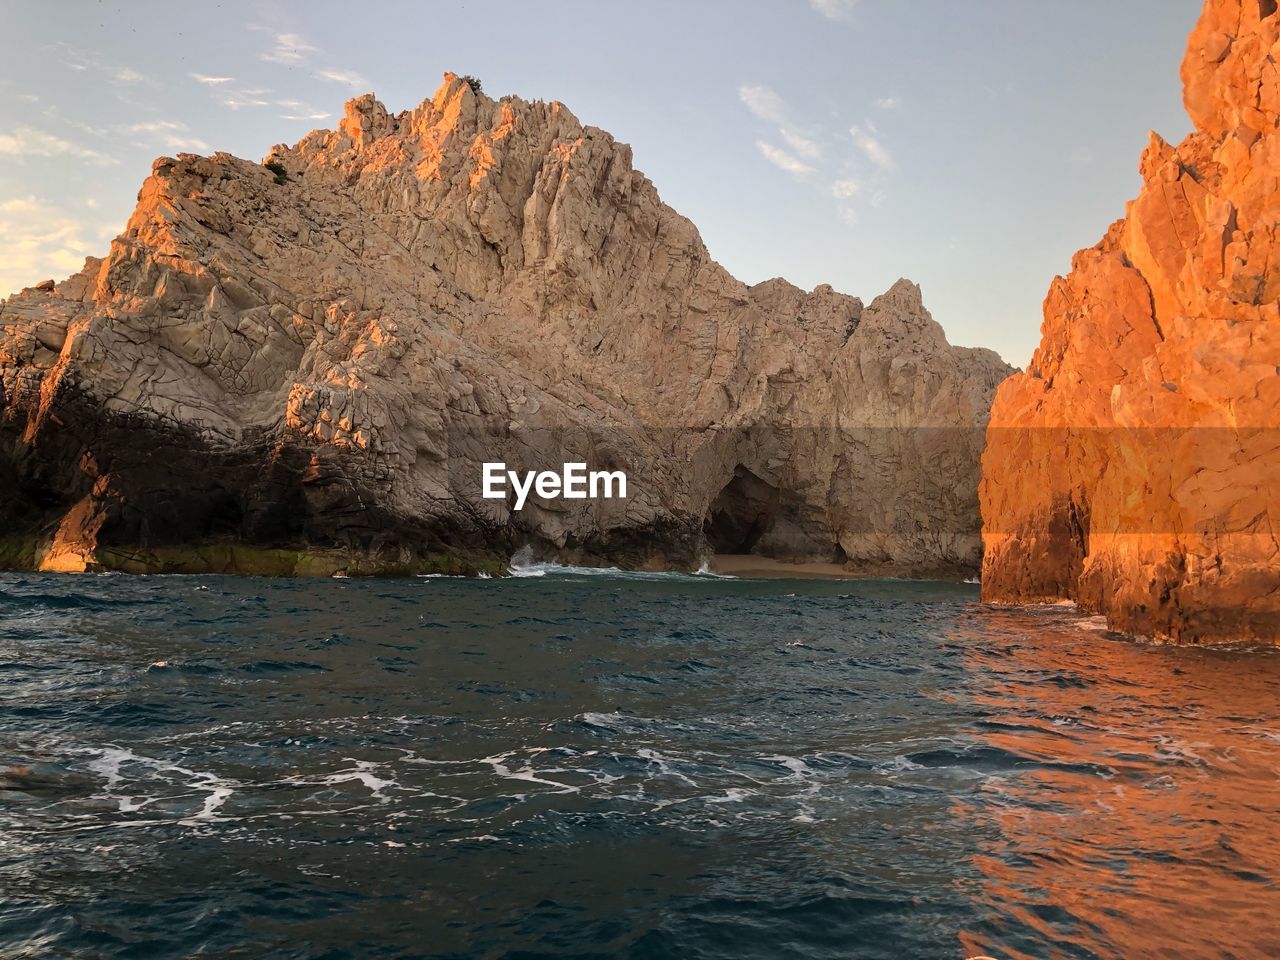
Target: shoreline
x=230, y=558
x=753, y=567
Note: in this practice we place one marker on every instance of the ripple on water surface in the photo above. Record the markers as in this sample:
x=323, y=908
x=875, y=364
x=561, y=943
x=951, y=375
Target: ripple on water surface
x=589, y=764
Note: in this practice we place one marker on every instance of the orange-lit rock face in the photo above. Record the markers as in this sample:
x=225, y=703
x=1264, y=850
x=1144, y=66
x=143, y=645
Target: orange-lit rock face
x=327, y=355
x=1135, y=466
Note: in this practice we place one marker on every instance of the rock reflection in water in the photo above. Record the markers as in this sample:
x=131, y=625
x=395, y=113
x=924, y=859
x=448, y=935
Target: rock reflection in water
x=1118, y=837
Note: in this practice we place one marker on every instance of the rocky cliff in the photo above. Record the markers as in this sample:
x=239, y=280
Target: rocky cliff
x=300, y=366
x=1135, y=466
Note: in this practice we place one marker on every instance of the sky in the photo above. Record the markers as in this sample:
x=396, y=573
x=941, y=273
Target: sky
x=970, y=145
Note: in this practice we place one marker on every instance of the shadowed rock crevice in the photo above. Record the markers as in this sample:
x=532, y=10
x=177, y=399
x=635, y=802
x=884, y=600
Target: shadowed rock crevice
x=752, y=516
x=743, y=513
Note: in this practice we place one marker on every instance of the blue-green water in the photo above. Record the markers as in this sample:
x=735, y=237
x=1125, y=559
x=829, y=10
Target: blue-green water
x=636, y=766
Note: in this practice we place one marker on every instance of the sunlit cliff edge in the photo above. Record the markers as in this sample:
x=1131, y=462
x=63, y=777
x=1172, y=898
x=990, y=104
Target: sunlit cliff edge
x=1135, y=466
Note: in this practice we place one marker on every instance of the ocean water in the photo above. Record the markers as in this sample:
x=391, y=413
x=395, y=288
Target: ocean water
x=594, y=764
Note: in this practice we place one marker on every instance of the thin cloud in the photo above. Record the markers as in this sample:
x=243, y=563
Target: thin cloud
x=348, y=78
x=168, y=134
x=871, y=147
x=801, y=145
x=783, y=160
x=805, y=151
x=846, y=189
x=834, y=9
x=239, y=99
x=41, y=242
x=121, y=79
x=301, y=111
x=225, y=92
x=27, y=142
x=239, y=103
x=293, y=50
x=288, y=48
x=763, y=102
x=52, y=113
x=155, y=126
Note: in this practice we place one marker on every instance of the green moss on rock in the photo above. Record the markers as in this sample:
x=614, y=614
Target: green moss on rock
x=17, y=553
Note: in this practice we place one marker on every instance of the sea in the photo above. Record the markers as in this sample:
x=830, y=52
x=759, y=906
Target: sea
x=580, y=763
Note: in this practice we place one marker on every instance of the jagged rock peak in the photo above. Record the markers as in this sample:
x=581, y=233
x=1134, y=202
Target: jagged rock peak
x=317, y=354
x=1230, y=83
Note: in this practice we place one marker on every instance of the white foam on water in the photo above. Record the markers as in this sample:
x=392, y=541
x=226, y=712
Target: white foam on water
x=363, y=773
x=523, y=564
x=112, y=759
x=704, y=570
x=664, y=765
x=1097, y=624
x=899, y=765
x=219, y=793
x=108, y=765
x=603, y=720
x=799, y=769
x=732, y=795
x=526, y=773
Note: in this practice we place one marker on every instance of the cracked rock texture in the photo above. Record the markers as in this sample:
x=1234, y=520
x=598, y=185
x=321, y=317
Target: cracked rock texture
x=1135, y=466
x=304, y=371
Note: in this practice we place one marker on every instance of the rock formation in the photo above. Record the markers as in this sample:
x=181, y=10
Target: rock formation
x=1135, y=466
x=300, y=366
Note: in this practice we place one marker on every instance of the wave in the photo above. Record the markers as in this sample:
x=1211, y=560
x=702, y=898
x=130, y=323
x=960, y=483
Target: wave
x=523, y=564
x=705, y=571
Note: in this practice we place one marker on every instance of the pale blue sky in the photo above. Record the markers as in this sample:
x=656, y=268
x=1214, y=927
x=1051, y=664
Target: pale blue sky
x=971, y=145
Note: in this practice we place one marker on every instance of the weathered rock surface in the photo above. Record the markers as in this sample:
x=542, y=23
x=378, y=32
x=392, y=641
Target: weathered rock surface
x=304, y=370
x=1135, y=466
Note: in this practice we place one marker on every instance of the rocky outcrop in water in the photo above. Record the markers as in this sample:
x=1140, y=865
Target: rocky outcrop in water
x=300, y=366
x=1135, y=466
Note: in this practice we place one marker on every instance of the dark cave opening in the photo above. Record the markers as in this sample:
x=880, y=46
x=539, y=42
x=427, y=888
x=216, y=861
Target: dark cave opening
x=1266, y=8
x=743, y=512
